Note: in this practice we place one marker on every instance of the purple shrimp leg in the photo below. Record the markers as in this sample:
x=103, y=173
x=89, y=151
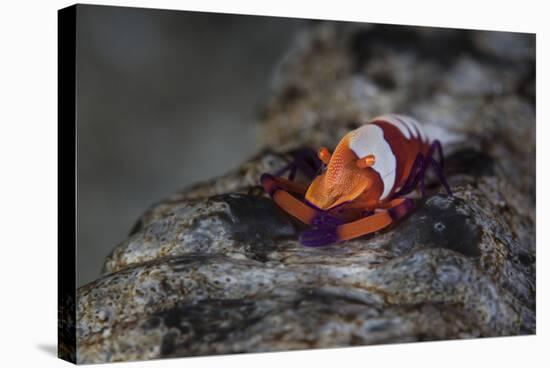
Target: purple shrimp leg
x=319, y=237
x=304, y=159
x=439, y=172
x=436, y=145
x=323, y=229
x=438, y=167
x=413, y=178
x=418, y=171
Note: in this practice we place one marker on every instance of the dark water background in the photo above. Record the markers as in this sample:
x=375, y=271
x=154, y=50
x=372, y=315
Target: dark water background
x=164, y=99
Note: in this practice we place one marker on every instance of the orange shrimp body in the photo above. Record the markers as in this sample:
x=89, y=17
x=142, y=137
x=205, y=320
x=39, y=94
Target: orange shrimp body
x=361, y=187
x=391, y=141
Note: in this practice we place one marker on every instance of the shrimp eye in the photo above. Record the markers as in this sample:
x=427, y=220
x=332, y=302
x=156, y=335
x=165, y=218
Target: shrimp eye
x=324, y=155
x=365, y=162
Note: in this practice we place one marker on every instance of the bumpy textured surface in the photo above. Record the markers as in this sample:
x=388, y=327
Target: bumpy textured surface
x=217, y=268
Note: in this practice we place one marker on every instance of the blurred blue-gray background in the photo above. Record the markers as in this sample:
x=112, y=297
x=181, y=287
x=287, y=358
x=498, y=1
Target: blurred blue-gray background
x=164, y=99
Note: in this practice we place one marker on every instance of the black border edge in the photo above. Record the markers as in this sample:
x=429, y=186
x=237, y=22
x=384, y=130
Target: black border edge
x=66, y=188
